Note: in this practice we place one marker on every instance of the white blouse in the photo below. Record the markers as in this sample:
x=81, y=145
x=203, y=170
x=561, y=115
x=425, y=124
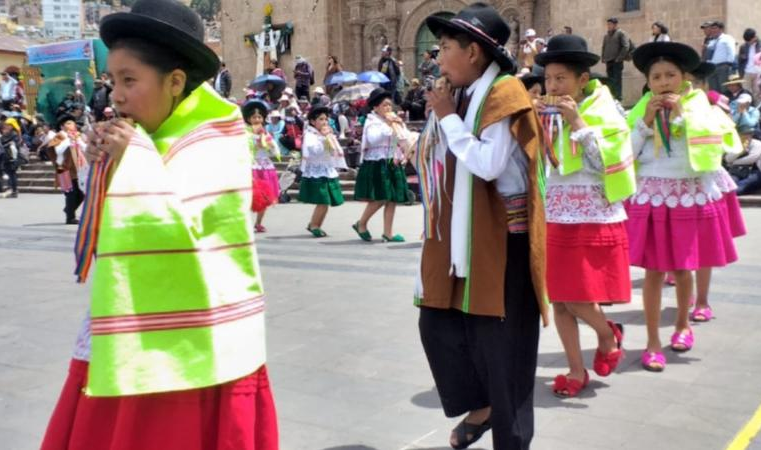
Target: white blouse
x=580, y=197
x=317, y=160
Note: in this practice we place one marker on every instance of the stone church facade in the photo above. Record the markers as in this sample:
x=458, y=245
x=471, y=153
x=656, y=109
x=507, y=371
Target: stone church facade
x=355, y=30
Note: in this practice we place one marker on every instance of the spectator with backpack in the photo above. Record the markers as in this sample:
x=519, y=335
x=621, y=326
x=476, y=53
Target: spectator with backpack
x=616, y=48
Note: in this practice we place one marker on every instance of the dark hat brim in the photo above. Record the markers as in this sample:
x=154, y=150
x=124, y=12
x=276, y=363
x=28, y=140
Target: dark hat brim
x=530, y=80
x=377, y=96
x=129, y=25
x=687, y=58
x=439, y=25
x=63, y=119
x=250, y=106
x=317, y=111
x=704, y=70
x=586, y=59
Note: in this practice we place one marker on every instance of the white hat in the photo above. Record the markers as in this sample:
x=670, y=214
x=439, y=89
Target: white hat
x=275, y=113
x=435, y=48
x=284, y=98
x=530, y=32
x=319, y=90
x=288, y=91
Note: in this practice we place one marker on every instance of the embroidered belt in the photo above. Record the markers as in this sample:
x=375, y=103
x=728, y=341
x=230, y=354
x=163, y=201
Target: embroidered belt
x=517, y=213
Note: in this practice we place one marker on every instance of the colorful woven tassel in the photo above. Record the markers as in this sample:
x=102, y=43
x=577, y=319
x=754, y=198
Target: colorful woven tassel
x=89, y=225
x=429, y=173
x=663, y=137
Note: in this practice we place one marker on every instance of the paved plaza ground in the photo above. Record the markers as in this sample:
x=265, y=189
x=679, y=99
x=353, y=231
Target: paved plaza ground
x=344, y=355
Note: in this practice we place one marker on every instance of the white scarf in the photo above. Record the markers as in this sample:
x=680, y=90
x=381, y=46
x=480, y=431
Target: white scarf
x=463, y=196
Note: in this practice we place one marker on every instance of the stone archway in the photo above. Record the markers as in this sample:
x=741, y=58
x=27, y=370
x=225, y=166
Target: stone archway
x=410, y=26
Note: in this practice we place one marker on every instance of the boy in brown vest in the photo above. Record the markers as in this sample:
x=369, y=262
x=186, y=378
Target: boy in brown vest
x=481, y=288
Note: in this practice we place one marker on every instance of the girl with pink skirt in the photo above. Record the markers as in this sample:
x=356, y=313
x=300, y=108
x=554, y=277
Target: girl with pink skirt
x=263, y=146
x=684, y=214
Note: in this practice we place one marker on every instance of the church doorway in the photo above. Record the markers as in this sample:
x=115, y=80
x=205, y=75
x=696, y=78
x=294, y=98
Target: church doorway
x=425, y=40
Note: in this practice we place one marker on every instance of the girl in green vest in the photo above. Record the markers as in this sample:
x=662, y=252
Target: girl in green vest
x=587, y=248
x=321, y=155
x=678, y=218
x=171, y=355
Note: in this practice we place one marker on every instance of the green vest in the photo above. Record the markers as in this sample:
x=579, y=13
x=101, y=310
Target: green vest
x=599, y=112
x=708, y=135
x=177, y=297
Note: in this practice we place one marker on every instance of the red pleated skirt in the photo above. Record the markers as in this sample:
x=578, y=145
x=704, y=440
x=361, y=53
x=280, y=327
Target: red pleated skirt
x=588, y=263
x=239, y=415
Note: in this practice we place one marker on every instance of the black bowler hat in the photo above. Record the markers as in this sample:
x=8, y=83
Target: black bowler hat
x=684, y=55
x=704, y=70
x=484, y=25
x=567, y=49
x=168, y=23
x=253, y=105
x=535, y=76
x=317, y=111
x=377, y=96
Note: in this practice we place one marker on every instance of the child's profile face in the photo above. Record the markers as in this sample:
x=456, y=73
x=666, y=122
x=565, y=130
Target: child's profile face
x=319, y=122
x=665, y=78
x=140, y=91
x=559, y=80
x=535, y=91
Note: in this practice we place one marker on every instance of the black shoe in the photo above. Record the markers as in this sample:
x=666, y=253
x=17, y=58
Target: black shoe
x=72, y=222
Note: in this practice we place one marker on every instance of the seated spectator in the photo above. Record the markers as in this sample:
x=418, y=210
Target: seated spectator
x=734, y=89
x=414, y=101
x=745, y=168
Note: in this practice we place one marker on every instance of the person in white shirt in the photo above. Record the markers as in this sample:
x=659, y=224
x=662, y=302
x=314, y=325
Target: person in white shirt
x=723, y=56
x=7, y=91
x=660, y=33
x=747, y=62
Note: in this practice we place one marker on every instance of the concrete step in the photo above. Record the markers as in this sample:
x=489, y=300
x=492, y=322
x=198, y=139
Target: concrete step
x=750, y=200
x=38, y=190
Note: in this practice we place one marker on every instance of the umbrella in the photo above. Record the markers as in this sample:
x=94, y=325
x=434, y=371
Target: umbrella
x=356, y=92
x=261, y=81
x=373, y=76
x=342, y=77
x=271, y=84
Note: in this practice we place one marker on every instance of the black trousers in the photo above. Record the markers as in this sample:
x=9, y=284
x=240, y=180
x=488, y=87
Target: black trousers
x=74, y=198
x=615, y=78
x=480, y=361
x=9, y=167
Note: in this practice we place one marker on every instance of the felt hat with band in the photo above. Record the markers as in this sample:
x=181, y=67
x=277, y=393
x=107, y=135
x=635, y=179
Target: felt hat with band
x=484, y=25
x=168, y=23
x=567, y=49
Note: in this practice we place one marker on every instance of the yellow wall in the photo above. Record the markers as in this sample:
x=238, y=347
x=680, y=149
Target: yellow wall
x=11, y=59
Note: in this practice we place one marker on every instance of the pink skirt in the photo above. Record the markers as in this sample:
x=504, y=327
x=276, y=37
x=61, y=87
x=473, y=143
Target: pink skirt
x=588, y=263
x=266, y=189
x=239, y=415
x=684, y=238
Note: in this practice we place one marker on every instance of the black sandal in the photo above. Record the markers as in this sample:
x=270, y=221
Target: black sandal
x=463, y=429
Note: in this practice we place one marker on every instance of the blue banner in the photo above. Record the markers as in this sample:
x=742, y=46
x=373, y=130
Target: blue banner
x=60, y=51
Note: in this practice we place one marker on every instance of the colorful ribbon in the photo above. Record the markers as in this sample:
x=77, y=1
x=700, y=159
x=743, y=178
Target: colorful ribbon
x=89, y=225
x=429, y=174
x=663, y=137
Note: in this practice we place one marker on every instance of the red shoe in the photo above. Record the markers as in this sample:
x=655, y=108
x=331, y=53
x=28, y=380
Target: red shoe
x=260, y=229
x=604, y=365
x=565, y=387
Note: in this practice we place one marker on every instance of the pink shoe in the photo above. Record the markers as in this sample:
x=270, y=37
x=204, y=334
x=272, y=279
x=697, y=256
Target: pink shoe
x=260, y=229
x=653, y=361
x=702, y=314
x=670, y=280
x=682, y=342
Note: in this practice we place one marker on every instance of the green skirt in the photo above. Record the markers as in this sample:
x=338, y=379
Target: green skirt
x=381, y=181
x=320, y=191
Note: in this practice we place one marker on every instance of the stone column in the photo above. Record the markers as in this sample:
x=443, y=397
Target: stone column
x=527, y=16
x=357, y=57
